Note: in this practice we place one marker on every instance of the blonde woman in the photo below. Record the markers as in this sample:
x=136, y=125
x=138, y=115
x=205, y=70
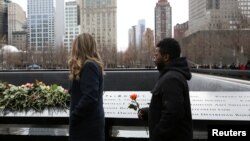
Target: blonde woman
x=86, y=108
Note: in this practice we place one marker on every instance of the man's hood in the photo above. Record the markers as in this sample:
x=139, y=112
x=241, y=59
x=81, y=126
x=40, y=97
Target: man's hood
x=180, y=65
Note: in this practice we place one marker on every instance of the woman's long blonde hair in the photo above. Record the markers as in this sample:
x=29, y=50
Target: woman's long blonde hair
x=83, y=50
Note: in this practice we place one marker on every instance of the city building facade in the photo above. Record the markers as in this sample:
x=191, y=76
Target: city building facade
x=3, y=22
x=218, y=14
x=41, y=24
x=180, y=30
x=16, y=20
x=19, y=40
x=72, y=28
x=99, y=18
x=244, y=6
x=197, y=15
x=163, y=20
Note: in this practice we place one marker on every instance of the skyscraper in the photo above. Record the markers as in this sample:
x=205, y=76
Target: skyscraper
x=16, y=20
x=132, y=36
x=163, y=20
x=136, y=35
x=98, y=17
x=140, y=29
x=59, y=23
x=41, y=28
x=72, y=29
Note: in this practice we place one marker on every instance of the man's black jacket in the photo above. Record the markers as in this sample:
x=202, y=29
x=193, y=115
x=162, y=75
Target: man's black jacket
x=169, y=113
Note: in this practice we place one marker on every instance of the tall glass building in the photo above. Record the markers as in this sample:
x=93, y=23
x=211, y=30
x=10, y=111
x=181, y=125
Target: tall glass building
x=140, y=29
x=41, y=28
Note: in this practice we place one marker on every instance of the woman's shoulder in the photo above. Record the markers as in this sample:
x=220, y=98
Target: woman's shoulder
x=89, y=64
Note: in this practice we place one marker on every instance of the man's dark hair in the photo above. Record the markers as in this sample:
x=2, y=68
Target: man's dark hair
x=169, y=46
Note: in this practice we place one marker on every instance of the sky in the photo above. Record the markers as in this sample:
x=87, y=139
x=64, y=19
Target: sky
x=129, y=12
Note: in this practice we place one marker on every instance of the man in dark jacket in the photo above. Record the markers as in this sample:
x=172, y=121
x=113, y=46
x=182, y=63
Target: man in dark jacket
x=169, y=114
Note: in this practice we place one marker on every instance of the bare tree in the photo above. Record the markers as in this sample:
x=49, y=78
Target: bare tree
x=147, y=50
x=130, y=57
x=61, y=57
x=120, y=59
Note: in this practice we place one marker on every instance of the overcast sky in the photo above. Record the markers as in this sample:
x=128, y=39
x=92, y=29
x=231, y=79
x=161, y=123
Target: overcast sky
x=130, y=11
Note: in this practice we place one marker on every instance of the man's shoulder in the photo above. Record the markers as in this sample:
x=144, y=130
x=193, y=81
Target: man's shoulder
x=174, y=75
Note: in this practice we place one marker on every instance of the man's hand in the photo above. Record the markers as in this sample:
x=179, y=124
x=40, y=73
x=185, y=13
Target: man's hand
x=140, y=114
x=143, y=114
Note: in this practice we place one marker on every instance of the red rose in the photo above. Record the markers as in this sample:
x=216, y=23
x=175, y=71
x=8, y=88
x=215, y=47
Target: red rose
x=134, y=104
x=133, y=96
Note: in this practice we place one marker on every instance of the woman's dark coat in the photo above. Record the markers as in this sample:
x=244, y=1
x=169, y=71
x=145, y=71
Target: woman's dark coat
x=86, y=108
x=169, y=113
